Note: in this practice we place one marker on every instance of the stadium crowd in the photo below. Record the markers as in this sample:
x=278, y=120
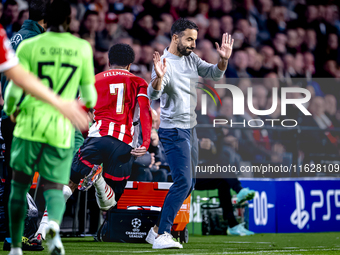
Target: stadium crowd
x=289, y=43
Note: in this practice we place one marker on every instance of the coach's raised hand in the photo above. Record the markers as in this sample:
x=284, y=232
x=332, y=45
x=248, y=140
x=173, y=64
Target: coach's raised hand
x=160, y=69
x=224, y=51
x=226, y=46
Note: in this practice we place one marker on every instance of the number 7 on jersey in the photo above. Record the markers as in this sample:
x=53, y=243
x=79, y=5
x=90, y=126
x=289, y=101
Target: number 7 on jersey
x=120, y=95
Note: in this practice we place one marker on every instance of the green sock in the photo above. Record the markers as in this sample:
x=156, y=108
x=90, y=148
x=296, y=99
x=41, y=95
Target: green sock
x=55, y=204
x=17, y=208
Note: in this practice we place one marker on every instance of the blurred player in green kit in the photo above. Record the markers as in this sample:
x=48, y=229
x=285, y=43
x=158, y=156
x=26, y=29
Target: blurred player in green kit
x=43, y=137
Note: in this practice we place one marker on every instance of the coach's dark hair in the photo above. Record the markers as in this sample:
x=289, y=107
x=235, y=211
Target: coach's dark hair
x=57, y=12
x=37, y=9
x=121, y=54
x=181, y=25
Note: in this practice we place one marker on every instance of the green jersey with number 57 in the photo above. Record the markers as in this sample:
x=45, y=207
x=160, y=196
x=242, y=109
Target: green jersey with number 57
x=63, y=62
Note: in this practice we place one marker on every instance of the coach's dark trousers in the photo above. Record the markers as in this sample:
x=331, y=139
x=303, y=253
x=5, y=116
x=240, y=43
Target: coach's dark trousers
x=181, y=149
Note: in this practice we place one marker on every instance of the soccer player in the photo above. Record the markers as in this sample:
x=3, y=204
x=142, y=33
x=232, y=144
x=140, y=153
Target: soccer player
x=171, y=83
x=122, y=100
x=112, y=139
x=43, y=138
x=30, y=28
x=9, y=64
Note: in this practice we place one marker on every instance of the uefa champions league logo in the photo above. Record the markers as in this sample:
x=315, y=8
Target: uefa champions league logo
x=136, y=232
x=136, y=223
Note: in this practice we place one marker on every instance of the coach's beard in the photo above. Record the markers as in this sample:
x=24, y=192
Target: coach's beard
x=185, y=51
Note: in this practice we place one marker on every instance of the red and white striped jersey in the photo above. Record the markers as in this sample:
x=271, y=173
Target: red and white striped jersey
x=117, y=110
x=7, y=54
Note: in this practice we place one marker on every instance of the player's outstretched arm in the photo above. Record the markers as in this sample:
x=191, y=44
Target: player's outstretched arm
x=146, y=123
x=88, y=95
x=12, y=97
x=224, y=51
x=29, y=83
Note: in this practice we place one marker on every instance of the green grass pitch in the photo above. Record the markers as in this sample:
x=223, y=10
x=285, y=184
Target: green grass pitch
x=307, y=243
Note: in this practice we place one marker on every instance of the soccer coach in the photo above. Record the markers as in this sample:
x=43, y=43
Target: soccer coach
x=170, y=81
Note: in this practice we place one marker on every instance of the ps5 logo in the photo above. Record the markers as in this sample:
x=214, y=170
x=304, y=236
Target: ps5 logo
x=300, y=216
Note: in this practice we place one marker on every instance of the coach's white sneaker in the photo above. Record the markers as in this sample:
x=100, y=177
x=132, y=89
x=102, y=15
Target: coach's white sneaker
x=15, y=251
x=151, y=236
x=55, y=247
x=166, y=241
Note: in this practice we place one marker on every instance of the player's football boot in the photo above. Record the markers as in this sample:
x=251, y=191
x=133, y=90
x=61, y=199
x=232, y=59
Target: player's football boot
x=55, y=246
x=239, y=230
x=37, y=240
x=166, y=241
x=151, y=236
x=26, y=244
x=88, y=181
x=244, y=195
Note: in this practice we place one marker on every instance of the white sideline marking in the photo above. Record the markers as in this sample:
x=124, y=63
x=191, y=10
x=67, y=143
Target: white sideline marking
x=277, y=251
x=228, y=252
x=246, y=242
x=141, y=251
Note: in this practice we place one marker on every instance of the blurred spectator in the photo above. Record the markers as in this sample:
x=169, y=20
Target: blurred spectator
x=279, y=42
x=143, y=28
x=10, y=16
x=244, y=84
x=168, y=21
x=112, y=30
x=260, y=93
x=254, y=62
x=101, y=58
x=331, y=108
x=214, y=31
x=101, y=21
x=240, y=63
x=227, y=24
x=126, y=39
x=292, y=41
x=332, y=49
x=91, y=41
x=152, y=166
x=1, y=10
x=271, y=63
x=125, y=20
x=146, y=57
x=90, y=24
x=277, y=20
x=248, y=31
x=325, y=142
x=23, y=15
x=308, y=58
x=310, y=40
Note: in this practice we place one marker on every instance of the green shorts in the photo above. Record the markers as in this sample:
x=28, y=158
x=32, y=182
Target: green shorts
x=52, y=163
